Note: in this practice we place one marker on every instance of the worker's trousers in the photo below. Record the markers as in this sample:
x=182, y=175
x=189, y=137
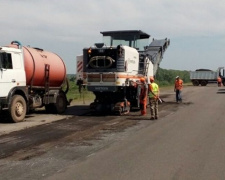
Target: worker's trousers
x=178, y=95
x=143, y=106
x=153, y=107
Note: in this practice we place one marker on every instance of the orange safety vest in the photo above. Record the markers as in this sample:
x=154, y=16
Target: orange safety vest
x=178, y=84
x=219, y=80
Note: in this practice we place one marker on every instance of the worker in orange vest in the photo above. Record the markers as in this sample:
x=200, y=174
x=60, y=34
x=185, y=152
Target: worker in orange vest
x=153, y=99
x=219, y=81
x=143, y=96
x=177, y=88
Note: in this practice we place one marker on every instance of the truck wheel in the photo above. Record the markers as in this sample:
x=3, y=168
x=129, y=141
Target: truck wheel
x=61, y=103
x=18, y=108
x=49, y=108
x=203, y=83
x=195, y=82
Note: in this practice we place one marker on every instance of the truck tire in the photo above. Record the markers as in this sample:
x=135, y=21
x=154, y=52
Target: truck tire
x=204, y=83
x=61, y=103
x=17, y=109
x=50, y=108
x=195, y=82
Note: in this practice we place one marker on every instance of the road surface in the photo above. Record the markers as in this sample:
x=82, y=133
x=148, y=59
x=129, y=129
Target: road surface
x=186, y=142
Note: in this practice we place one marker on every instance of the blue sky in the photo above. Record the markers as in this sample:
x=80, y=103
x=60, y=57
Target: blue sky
x=196, y=29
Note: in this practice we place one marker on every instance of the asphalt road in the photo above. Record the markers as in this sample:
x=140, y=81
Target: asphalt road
x=186, y=142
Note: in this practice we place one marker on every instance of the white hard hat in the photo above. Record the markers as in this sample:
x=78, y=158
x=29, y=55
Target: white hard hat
x=177, y=77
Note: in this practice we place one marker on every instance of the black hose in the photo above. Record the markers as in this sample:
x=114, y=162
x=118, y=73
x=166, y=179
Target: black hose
x=67, y=86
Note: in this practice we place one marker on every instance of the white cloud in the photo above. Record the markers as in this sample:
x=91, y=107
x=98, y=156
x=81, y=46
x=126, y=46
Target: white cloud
x=68, y=26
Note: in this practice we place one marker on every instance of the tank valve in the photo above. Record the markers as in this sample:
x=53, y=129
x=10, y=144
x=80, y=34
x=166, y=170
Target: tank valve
x=17, y=43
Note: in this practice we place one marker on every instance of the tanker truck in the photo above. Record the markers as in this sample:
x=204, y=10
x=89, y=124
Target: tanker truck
x=112, y=69
x=31, y=78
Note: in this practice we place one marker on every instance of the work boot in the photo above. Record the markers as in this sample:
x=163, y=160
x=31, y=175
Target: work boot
x=156, y=117
x=152, y=118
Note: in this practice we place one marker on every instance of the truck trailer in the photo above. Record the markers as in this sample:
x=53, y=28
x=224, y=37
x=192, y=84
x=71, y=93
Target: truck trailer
x=112, y=69
x=204, y=76
x=31, y=78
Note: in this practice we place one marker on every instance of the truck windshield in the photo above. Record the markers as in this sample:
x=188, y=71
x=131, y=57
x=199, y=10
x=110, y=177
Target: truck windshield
x=128, y=40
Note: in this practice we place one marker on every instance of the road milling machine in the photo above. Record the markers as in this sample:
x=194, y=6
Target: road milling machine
x=112, y=69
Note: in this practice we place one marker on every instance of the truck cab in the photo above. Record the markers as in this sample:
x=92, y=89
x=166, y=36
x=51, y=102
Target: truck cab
x=12, y=73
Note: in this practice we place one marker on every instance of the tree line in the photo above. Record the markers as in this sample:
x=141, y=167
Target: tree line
x=166, y=77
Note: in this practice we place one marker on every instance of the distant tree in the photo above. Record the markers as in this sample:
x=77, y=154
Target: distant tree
x=72, y=78
x=167, y=77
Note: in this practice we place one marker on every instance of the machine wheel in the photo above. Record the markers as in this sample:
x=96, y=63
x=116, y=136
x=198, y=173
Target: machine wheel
x=123, y=110
x=203, y=83
x=126, y=111
x=61, y=103
x=195, y=82
x=18, y=109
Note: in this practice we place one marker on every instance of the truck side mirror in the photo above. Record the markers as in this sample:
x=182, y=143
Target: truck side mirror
x=1, y=58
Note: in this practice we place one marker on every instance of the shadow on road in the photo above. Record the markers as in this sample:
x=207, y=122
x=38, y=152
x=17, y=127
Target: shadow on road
x=221, y=91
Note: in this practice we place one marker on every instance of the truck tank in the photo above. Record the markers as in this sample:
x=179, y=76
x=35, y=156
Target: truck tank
x=35, y=60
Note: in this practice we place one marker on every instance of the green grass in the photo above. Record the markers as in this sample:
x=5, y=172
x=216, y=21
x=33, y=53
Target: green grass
x=74, y=94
